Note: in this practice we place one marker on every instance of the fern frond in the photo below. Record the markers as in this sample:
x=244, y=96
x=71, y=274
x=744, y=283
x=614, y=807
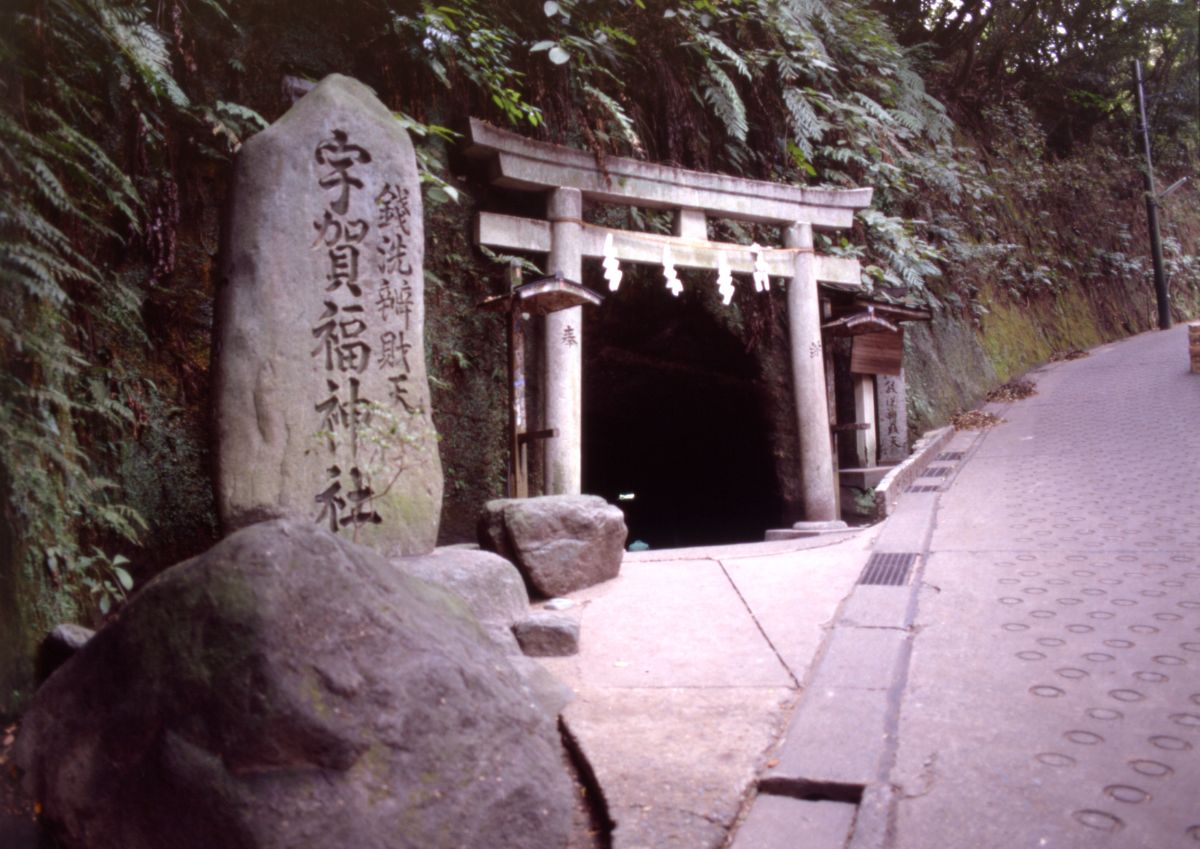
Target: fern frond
x=721, y=94
x=144, y=47
x=32, y=275
x=873, y=108
x=716, y=45
x=623, y=121
x=807, y=126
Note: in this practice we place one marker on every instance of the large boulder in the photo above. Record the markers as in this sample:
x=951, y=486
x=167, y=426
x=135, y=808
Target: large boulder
x=291, y=689
x=320, y=387
x=561, y=543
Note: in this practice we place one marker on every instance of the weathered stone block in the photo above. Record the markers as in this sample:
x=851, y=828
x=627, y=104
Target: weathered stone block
x=546, y=634
x=322, y=399
x=491, y=586
x=892, y=405
x=560, y=543
x=288, y=688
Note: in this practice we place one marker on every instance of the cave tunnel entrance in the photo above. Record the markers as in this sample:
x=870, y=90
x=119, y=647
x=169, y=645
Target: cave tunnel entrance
x=673, y=415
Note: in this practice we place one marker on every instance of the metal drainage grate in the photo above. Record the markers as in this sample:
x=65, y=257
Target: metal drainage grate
x=889, y=569
x=936, y=472
x=924, y=488
x=950, y=456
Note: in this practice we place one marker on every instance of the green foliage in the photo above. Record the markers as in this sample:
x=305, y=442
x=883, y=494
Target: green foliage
x=105, y=579
x=101, y=94
x=1072, y=60
x=467, y=38
x=430, y=137
x=864, y=501
x=67, y=205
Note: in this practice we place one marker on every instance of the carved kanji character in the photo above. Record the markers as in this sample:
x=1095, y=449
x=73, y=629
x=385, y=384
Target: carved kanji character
x=343, y=269
x=331, y=502
x=393, y=254
x=341, y=156
x=393, y=207
x=394, y=353
x=360, y=502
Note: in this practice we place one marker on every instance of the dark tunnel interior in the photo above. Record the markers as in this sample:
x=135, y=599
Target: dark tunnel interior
x=673, y=416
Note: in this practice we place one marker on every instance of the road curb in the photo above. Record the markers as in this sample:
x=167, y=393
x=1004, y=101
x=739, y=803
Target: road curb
x=839, y=747
x=899, y=479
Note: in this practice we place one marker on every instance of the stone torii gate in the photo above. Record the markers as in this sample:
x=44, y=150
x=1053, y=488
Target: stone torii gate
x=570, y=176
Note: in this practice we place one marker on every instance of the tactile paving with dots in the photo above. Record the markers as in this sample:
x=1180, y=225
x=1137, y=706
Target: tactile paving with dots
x=1080, y=517
x=1114, y=642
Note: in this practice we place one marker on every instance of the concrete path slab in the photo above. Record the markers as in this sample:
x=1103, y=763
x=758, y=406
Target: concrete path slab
x=793, y=598
x=674, y=764
x=876, y=607
x=838, y=736
x=674, y=624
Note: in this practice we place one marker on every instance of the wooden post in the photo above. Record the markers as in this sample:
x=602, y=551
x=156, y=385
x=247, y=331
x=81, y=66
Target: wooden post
x=819, y=491
x=864, y=411
x=562, y=352
x=518, y=466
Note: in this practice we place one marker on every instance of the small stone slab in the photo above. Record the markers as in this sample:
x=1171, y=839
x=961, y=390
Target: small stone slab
x=877, y=607
x=866, y=658
x=322, y=399
x=817, y=747
x=546, y=634
x=892, y=405
x=777, y=822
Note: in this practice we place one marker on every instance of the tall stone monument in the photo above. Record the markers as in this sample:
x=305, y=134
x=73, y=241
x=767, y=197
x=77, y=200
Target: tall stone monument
x=893, y=418
x=322, y=399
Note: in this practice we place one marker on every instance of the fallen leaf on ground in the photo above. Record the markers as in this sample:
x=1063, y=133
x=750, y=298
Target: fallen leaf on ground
x=1014, y=390
x=975, y=420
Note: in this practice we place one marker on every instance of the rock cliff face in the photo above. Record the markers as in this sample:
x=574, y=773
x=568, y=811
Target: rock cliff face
x=288, y=688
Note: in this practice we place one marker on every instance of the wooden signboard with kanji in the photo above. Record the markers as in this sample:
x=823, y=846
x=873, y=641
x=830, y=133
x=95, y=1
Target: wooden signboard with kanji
x=877, y=353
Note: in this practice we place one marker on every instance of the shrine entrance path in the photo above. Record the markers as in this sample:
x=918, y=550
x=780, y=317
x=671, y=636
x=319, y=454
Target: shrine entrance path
x=1053, y=693
x=690, y=663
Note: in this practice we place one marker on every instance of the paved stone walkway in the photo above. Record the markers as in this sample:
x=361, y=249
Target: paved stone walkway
x=689, y=665
x=1053, y=693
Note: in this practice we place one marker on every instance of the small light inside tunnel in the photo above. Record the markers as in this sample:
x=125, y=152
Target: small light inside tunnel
x=626, y=496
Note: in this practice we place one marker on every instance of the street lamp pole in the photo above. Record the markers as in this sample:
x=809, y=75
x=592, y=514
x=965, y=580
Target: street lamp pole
x=1160, y=276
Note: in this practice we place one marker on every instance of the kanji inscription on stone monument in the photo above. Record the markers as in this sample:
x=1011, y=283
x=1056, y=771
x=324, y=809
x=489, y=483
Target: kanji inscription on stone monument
x=322, y=395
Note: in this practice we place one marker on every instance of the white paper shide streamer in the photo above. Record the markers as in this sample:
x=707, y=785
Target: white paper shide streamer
x=669, y=274
x=724, y=278
x=612, y=268
x=762, y=280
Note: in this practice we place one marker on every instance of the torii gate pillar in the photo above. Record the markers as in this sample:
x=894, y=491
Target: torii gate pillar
x=562, y=353
x=808, y=380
